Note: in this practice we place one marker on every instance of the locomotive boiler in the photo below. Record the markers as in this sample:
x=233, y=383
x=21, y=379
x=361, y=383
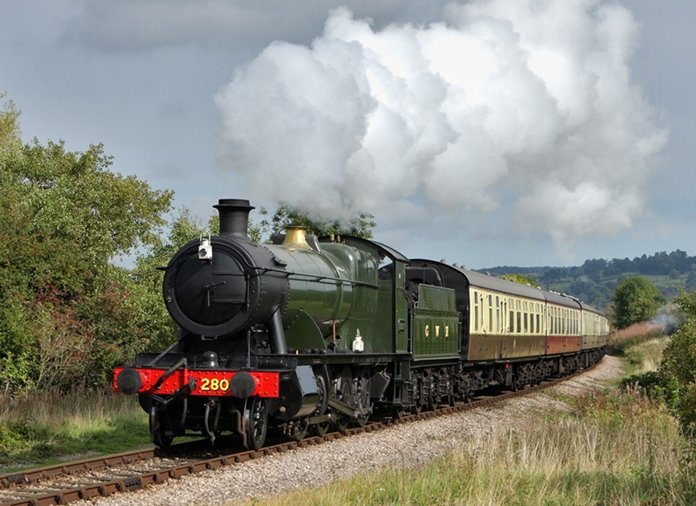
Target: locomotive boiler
x=309, y=333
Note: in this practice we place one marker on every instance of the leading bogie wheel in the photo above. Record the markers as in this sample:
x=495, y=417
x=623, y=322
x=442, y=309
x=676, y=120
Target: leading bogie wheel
x=255, y=423
x=161, y=427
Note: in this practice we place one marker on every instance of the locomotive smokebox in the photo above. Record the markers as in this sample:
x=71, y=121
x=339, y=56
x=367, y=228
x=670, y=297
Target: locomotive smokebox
x=234, y=218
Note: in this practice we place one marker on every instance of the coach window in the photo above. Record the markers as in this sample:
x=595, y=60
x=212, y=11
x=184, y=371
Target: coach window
x=497, y=314
x=549, y=320
x=525, y=321
x=490, y=314
x=560, y=321
x=532, y=322
x=518, y=317
x=577, y=322
x=503, y=313
x=567, y=313
x=476, y=312
x=567, y=329
x=544, y=322
x=525, y=317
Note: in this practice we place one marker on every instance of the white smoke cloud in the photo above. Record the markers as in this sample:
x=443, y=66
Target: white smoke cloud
x=524, y=106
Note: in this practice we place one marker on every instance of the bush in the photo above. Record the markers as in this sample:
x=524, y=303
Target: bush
x=678, y=368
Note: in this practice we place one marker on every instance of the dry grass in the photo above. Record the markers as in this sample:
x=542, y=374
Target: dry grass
x=622, y=339
x=618, y=449
x=611, y=448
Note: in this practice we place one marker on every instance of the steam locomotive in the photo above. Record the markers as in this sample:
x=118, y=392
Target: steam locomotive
x=308, y=334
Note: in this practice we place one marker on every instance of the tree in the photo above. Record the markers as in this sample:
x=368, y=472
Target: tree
x=520, y=278
x=360, y=225
x=66, y=312
x=690, y=282
x=635, y=300
x=10, y=135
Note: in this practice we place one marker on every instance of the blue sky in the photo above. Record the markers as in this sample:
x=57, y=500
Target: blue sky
x=486, y=133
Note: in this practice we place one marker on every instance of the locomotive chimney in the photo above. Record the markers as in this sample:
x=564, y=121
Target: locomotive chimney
x=234, y=218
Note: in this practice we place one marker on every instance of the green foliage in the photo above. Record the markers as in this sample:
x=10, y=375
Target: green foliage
x=520, y=278
x=66, y=313
x=359, y=226
x=635, y=300
x=649, y=382
x=678, y=368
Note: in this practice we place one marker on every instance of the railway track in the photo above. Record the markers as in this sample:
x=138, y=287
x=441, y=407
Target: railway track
x=130, y=471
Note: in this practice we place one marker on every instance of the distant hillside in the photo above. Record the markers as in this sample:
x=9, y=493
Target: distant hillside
x=595, y=280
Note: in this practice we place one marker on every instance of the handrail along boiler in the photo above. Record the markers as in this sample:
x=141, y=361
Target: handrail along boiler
x=310, y=333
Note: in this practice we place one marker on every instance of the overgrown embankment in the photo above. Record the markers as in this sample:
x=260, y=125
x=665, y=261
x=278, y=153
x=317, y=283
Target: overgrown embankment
x=613, y=445
x=612, y=449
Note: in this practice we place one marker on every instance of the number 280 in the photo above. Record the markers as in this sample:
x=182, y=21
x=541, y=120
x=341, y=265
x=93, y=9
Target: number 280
x=215, y=385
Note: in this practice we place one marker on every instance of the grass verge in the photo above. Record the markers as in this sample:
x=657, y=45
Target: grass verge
x=48, y=427
x=611, y=447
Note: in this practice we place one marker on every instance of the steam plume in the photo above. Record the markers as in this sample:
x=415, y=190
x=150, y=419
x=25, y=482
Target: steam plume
x=522, y=106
